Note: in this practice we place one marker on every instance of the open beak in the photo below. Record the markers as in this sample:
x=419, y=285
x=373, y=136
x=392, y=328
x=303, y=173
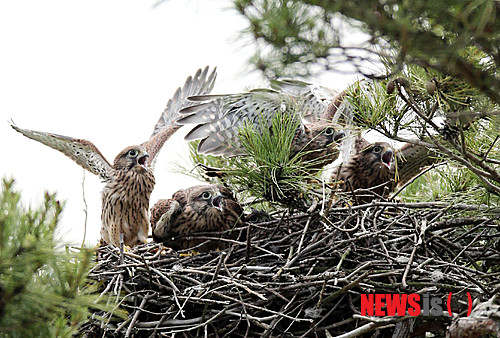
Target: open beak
x=339, y=137
x=142, y=160
x=387, y=158
x=219, y=203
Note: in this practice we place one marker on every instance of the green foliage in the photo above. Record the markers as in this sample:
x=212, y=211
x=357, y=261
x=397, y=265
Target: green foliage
x=438, y=61
x=267, y=171
x=438, y=65
x=305, y=37
x=44, y=291
x=446, y=113
x=449, y=184
x=292, y=46
x=436, y=95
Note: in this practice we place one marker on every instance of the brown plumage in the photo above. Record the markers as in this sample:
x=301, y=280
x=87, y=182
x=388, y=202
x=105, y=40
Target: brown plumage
x=125, y=198
x=202, y=208
x=130, y=180
x=219, y=118
x=379, y=165
x=319, y=143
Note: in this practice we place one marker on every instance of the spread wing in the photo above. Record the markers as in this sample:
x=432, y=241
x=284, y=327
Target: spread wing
x=411, y=159
x=219, y=118
x=200, y=84
x=316, y=99
x=83, y=152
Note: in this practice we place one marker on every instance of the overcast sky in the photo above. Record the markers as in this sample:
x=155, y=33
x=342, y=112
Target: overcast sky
x=103, y=70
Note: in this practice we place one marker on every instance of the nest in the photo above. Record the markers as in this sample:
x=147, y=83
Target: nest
x=304, y=274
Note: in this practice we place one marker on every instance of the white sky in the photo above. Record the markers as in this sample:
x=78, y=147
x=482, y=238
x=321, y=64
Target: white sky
x=103, y=70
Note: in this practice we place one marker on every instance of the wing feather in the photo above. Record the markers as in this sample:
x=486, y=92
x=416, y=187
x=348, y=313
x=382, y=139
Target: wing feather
x=83, y=152
x=220, y=119
x=163, y=215
x=316, y=99
x=411, y=159
x=200, y=84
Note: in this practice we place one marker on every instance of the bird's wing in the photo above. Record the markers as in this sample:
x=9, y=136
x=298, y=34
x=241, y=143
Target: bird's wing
x=83, y=152
x=200, y=84
x=232, y=204
x=226, y=192
x=163, y=214
x=411, y=159
x=219, y=118
x=181, y=196
x=316, y=99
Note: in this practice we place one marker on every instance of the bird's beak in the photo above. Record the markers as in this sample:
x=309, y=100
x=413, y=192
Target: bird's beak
x=142, y=160
x=339, y=137
x=219, y=203
x=387, y=157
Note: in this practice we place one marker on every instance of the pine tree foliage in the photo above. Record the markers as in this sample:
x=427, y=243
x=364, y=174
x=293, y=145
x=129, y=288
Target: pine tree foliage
x=44, y=291
x=437, y=62
x=304, y=37
x=267, y=171
x=443, y=113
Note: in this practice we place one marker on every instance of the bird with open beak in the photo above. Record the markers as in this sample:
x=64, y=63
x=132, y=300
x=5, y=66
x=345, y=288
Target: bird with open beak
x=199, y=209
x=129, y=180
x=371, y=166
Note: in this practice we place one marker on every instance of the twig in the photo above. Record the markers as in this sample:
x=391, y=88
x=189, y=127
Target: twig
x=136, y=315
x=413, y=179
x=84, y=210
x=276, y=296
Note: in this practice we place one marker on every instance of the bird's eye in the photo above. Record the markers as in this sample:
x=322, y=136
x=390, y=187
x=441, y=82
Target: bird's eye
x=329, y=131
x=132, y=153
x=206, y=195
x=377, y=149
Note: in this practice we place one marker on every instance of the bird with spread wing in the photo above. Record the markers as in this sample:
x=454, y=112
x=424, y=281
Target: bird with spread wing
x=202, y=208
x=129, y=179
x=219, y=119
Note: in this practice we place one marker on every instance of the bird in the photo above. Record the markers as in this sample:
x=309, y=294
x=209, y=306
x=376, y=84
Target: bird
x=201, y=208
x=374, y=166
x=380, y=168
x=219, y=119
x=129, y=180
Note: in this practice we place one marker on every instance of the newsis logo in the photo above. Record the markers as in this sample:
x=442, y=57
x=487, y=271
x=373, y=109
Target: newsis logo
x=413, y=304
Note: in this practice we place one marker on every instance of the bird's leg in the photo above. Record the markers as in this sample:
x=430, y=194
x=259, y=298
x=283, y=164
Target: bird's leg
x=121, y=249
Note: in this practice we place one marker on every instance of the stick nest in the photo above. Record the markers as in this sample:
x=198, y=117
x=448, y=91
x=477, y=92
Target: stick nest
x=302, y=274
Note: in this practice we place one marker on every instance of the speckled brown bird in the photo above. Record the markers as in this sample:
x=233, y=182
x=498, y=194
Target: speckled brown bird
x=219, y=119
x=379, y=165
x=129, y=180
x=202, y=208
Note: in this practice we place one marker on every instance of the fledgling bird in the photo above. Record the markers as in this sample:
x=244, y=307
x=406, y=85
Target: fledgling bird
x=202, y=208
x=379, y=165
x=129, y=180
x=219, y=119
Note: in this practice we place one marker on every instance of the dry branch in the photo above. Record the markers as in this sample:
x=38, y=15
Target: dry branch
x=303, y=274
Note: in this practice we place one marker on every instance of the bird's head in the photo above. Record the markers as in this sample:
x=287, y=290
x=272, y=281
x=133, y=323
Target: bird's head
x=334, y=135
x=381, y=154
x=326, y=132
x=132, y=158
x=320, y=142
x=208, y=198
